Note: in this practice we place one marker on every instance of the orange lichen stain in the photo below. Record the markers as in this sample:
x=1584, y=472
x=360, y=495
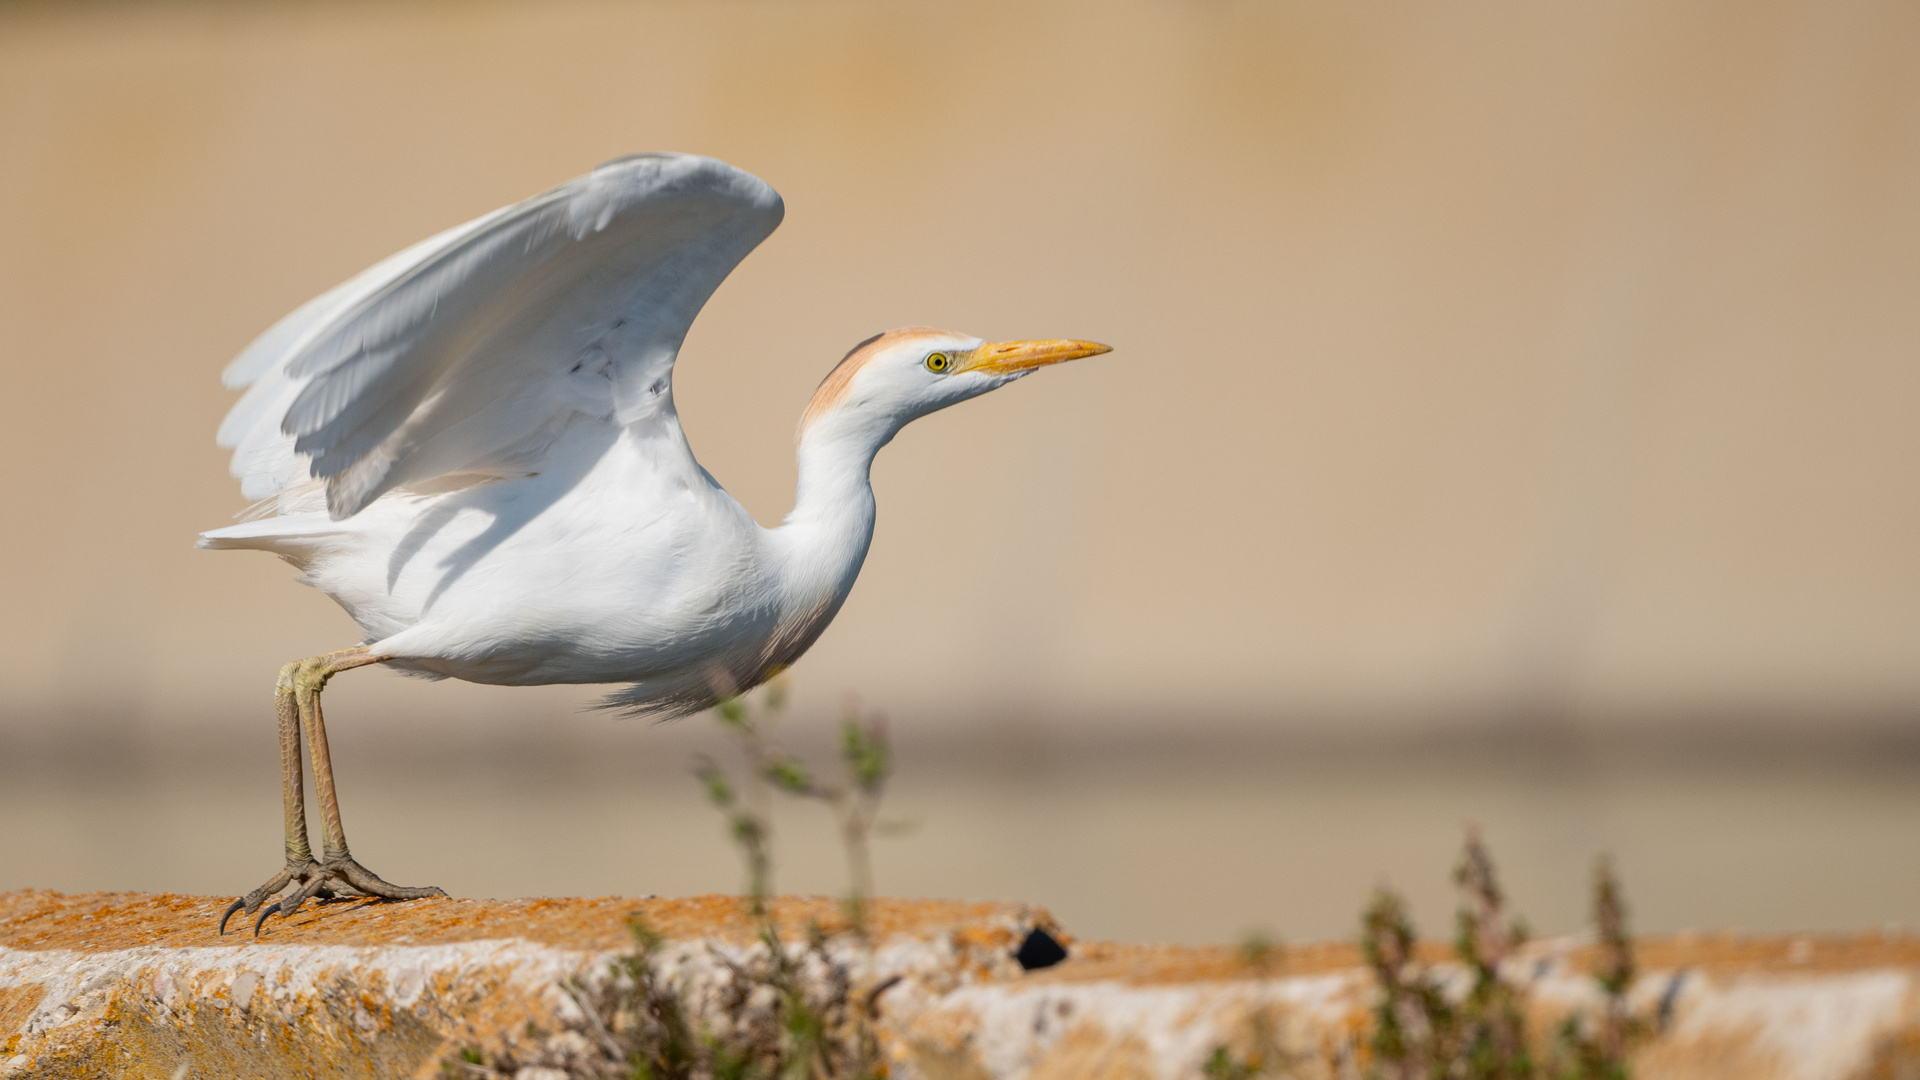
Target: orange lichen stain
x=1895, y=1057
x=1102, y=961
x=40, y=920
x=16, y=1007
x=1088, y=1051
x=941, y=1046
x=1738, y=1053
x=1799, y=953
x=1718, y=954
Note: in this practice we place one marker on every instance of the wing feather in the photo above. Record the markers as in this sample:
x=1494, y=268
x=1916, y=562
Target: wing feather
x=452, y=355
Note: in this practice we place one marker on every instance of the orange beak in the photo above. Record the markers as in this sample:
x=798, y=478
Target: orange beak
x=1010, y=357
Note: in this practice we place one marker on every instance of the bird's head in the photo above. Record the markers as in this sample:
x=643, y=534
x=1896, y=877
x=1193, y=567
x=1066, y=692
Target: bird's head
x=901, y=375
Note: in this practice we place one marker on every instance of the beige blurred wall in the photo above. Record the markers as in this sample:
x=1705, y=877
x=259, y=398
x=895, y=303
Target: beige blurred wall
x=1471, y=360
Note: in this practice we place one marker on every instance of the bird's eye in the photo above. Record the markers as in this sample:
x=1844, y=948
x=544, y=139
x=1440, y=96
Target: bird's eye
x=937, y=363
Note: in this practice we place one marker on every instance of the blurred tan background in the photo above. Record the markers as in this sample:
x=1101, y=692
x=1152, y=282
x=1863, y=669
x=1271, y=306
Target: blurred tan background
x=1514, y=417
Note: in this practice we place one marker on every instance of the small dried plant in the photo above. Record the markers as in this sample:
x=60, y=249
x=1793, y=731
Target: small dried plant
x=867, y=760
x=1423, y=1032
x=1492, y=1036
x=1413, y=1022
x=1595, y=1048
x=785, y=1010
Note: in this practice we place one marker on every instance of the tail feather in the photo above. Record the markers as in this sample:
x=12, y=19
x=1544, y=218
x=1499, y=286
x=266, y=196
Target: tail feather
x=292, y=535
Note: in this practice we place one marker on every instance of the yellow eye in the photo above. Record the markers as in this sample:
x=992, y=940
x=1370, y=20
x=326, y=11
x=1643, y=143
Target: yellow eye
x=937, y=363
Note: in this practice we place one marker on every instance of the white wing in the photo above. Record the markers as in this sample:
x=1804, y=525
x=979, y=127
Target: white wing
x=464, y=353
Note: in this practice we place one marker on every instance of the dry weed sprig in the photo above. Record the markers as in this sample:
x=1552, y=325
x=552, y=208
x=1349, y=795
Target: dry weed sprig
x=800, y=1011
x=866, y=757
x=1413, y=1022
x=1586, y=1048
x=1422, y=1032
x=1492, y=1035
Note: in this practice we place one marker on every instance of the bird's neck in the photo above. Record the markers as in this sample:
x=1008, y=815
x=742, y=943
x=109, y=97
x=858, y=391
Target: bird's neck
x=831, y=526
x=827, y=534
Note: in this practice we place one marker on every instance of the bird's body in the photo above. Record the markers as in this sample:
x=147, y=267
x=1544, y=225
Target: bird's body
x=473, y=448
x=622, y=561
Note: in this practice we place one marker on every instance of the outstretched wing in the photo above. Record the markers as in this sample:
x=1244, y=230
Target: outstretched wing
x=465, y=353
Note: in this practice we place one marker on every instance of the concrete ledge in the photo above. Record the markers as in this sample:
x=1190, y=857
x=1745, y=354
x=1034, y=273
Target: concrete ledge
x=130, y=985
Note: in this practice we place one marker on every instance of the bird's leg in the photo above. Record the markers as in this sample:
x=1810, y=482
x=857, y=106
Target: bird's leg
x=293, y=794
x=297, y=702
x=307, y=685
x=334, y=858
x=300, y=864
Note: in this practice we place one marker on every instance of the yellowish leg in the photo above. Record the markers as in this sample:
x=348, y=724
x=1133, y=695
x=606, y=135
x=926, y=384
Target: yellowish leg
x=307, y=684
x=293, y=796
x=300, y=865
x=297, y=704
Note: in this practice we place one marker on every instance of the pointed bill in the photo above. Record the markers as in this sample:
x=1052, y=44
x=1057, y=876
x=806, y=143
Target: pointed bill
x=1013, y=357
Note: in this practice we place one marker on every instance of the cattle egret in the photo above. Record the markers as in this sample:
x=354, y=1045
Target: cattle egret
x=472, y=447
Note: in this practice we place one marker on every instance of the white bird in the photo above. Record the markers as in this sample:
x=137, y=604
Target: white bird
x=472, y=448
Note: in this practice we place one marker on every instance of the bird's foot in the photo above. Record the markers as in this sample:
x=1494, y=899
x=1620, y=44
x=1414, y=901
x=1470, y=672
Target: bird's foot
x=333, y=875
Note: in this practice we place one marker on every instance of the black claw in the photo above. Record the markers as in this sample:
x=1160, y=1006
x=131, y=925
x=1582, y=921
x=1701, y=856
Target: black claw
x=231, y=908
x=287, y=906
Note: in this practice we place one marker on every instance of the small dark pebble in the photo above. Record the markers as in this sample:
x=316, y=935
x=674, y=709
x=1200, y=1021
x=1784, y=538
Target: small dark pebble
x=1040, y=950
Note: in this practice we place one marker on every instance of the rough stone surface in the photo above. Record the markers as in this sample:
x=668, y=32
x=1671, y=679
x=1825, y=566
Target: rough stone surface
x=130, y=985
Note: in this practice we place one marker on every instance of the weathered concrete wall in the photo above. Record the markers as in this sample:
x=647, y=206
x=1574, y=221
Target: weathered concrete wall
x=129, y=985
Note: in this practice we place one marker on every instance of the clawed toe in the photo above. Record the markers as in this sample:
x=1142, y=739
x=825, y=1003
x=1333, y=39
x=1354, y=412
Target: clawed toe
x=366, y=881
x=292, y=872
x=228, y=914
x=337, y=876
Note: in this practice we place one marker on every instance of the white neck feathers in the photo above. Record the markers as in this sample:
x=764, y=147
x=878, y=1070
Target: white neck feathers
x=827, y=534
